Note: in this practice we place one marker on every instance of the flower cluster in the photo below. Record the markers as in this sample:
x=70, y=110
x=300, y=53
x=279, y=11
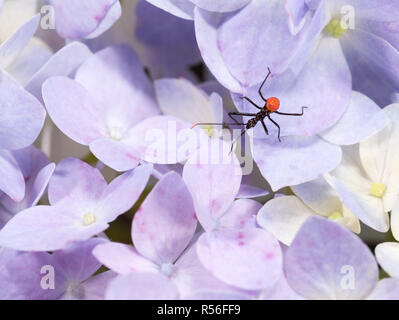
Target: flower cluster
x=248, y=146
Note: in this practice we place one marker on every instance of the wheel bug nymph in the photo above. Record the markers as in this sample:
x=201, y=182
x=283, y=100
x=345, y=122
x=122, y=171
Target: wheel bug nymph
x=271, y=106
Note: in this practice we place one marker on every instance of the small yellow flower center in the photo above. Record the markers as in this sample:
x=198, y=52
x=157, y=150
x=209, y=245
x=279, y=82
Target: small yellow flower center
x=377, y=190
x=116, y=133
x=335, y=28
x=335, y=216
x=208, y=130
x=89, y=219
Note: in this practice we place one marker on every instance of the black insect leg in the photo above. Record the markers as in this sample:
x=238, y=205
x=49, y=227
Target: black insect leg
x=276, y=124
x=231, y=114
x=251, y=102
x=291, y=114
x=263, y=83
x=264, y=126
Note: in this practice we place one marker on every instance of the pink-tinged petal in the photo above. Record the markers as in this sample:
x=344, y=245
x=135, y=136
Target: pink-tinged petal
x=226, y=254
x=94, y=287
x=165, y=223
x=12, y=47
x=80, y=19
x=281, y=291
x=387, y=255
x=283, y=217
x=205, y=176
x=22, y=117
x=115, y=78
x=77, y=182
x=241, y=214
x=117, y=155
x=362, y=119
x=220, y=5
x=123, y=192
x=294, y=160
x=387, y=289
x=247, y=191
x=165, y=139
x=63, y=63
x=191, y=276
x=122, y=259
x=206, y=31
x=141, y=286
x=315, y=87
x=77, y=262
x=45, y=228
x=182, y=9
x=73, y=110
x=113, y=14
x=21, y=274
x=12, y=183
x=327, y=261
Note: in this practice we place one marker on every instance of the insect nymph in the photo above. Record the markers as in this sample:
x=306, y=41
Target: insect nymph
x=270, y=107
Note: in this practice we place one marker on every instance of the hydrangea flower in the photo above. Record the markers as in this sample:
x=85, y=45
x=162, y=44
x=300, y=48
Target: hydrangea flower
x=162, y=231
x=366, y=179
x=82, y=205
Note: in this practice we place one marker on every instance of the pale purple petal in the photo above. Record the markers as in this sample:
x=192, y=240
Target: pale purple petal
x=141, y=286
x=80, y=19
x=73, y=110
x=166, y=221
x=227, y=253
x=76, y=262
x=120, y=195
x=387, y=289
x=45, y=228
x=180, y=8
x=327, y=261
x=22, y=117
x=295, y=160
x=206, y=181
x=247, y=191
x=63, y=63
x=387, y=255
x=123, y=259
x=206, y=32
x=115, y=79
x=94, y=288
x=118, y=155
x=12, y=47
x=12, y=183
x=77, y=182
x=21, y=276
x=364, y=115
x=241, y=214
x=283, y=217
